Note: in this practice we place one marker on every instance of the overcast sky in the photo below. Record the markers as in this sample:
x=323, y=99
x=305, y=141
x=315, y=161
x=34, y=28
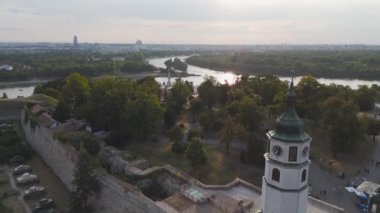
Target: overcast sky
x=192, y=21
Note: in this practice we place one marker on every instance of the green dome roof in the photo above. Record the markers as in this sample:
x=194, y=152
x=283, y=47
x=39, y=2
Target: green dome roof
x=289, y=126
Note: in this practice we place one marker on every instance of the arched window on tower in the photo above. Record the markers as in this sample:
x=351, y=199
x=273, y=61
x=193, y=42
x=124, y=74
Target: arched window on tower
x=276, y=175
x=303, y=178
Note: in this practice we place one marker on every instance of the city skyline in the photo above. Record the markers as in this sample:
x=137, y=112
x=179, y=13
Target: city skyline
x=192, y=21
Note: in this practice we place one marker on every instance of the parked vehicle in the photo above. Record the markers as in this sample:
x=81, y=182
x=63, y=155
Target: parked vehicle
x=34, y=191
x=26, y=178
x=16, y=160
x=22, y=169
x=43, y=204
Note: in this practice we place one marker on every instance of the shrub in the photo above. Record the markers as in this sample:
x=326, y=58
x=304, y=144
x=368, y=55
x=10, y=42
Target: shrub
x=194, y=133
x=243, y=157
x=176, y=134
x=179, y=148
x=92, y=145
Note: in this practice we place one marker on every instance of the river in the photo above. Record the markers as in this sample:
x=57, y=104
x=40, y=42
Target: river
x=15, y=90
x=230, y=77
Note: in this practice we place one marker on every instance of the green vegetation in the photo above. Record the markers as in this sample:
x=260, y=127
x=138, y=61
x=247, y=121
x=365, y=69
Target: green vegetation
x=342, y=124
x=81, y=139
x=241, y=112
x=129, y=109
x=3, y=208
x=85, y=184
x=195, y=153
x=6, y=193
x=30, y=117
x=371, y=126
x=176, y=64
x=328, y=64
x=59, y=64
x=218, y=170
x=11, y=145
x=176, y=100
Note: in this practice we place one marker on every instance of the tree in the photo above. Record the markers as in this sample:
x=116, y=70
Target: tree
x=196, y=106
x=365, y=98
x=169, y=63
x=85, y=184
x=345, y=134
x=107, y=100
x=77, y=90
x=308, y=91
x=208, y=91
x=5, y=96
x=62, y=111
x=333, y=108
x=255, y=151
x=209, y=120
x=149, y=85
x=228, y=132
x=52, y=93
x=141, y=115
x=180, y=93
x=179, y=65
x=249, y=114
x=176, y=134
x=267, y=87
x=195, y=153
x=342, y=124
x=371, y=126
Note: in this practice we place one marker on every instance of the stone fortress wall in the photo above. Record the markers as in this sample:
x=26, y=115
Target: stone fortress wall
x=115, y=196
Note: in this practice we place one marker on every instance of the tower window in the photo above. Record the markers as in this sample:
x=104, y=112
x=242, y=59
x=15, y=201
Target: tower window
x=276, y=175
x=303, y=178
x=293, y=151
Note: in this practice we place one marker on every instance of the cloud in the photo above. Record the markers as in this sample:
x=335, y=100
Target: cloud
x=10, y=29
x=22, y=11
x=192, y=21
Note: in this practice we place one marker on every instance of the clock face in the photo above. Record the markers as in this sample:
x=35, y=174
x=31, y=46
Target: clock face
x=277, y=150
x=305, y=151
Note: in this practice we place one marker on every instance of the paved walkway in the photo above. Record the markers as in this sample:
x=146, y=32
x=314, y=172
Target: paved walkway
x=335, y=191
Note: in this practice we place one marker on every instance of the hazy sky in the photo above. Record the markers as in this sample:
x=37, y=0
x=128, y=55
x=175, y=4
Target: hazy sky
x=192, y=21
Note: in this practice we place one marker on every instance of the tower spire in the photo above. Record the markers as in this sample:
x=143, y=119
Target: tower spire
x=287, y=162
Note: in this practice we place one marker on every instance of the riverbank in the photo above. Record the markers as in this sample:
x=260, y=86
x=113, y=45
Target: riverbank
x=17, y=89
x=360, y=65
x=136, y=75
x=23, y=83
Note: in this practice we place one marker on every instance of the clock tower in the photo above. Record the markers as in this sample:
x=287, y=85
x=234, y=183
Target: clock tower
x=285, y=188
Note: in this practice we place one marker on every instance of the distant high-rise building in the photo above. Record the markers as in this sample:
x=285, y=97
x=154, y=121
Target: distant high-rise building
x=139, y=42
x=75, y=41
x=138, y=45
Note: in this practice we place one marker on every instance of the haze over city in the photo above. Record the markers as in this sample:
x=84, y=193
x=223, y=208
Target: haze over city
x=189, y=106
x=192, y=21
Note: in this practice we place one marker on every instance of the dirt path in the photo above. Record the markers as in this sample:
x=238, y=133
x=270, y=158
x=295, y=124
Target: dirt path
x=20, y=199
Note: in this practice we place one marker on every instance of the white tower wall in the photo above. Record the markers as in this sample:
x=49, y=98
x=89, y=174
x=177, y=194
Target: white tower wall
x=284, y=201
